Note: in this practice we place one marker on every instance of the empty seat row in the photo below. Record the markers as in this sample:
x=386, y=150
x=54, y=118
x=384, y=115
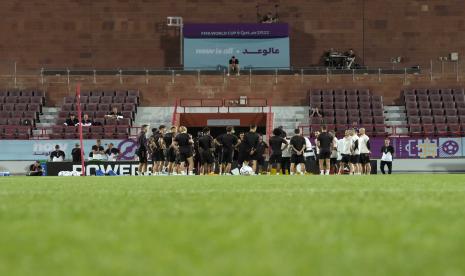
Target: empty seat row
x=24, y=100
x=434, y=98
x=340, y=92
x=434, y=105
x=100, y=107
x=20, y=107
x=93, y=132
x=348, y=120
x=436, y=119
x=16, y=121
x=104, y=99
x=371, y=130
x=438, y=129
x=98, y=93
x=433, y=91
x=344, y=105
x=15, y=132
x=18, y=93
x=438, y=112
x=353, y=112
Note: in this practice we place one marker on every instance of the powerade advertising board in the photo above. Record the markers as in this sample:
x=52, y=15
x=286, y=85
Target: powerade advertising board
x=255, y=45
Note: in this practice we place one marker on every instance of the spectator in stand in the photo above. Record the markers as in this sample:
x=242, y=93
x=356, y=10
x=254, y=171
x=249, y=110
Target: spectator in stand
x=112, y=152
x=57, y=155
x=115, y=114
x=315, y=112
x=76, y=153
x=71, y=121
x=268, y=18
x=86, y=121
x=233, y=66
x=97, y=150
x=35, y=169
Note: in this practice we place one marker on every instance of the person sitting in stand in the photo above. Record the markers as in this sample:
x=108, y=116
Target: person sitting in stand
x=115, y=114
x=57, y=155
x=97, y=150
x=350, y=55
x=71, y=121
x=268, y=18
x=111, y=152
x=233, y=65
x=86, y=121
x=315, y=112
x=35, y=169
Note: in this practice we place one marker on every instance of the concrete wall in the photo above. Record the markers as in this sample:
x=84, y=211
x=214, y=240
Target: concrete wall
x=133, y=33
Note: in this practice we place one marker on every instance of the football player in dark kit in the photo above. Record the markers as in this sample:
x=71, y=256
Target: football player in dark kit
x=157, y=146
x=325, y=144
x=298, y=146
x=170, y=152
x=248, y=148
x=142, y=150
x=261, y=151
x=205, y=152
x=228, y=142
x=276, y=142
x=185, y=143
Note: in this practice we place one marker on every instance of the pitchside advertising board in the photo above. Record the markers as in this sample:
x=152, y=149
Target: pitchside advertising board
x=255, y=45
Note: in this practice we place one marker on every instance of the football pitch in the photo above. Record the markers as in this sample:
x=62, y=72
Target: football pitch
x=257, y=225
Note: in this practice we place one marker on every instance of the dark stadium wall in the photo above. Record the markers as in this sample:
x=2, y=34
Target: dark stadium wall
x=133, y=33
x=202, y=119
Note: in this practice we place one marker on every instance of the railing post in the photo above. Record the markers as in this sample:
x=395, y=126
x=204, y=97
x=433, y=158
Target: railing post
x=198, y=76
x=42, y=75
x=327, y=75
x=250, y=76
x=379, y=74
x=224, y=76
x=95, y=76
x=15, y=74
x=431, y=70
x=276, y=76
x=302, y=75
x=67, y=72
x=120, y=76
x=172, y=76
x=457, y=66
x=353, y=75
x=442, y=68
x=405, y=75
x=146, y=76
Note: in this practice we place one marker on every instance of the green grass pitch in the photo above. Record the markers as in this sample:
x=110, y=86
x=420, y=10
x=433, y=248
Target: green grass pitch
x=263, y=225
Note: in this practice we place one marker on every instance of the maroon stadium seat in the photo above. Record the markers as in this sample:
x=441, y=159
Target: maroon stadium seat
x=340, y=105
x=454, y=129
x=426, y=120
x=428, y=129
x=106, y=99
x=100, y=120
x=435, y=99
x=421, y=91
x=341, y=120
x=460, y=111
x=449, y=105
x=459, y=98
x=425, y=112
x=441, y=129
x=423, y=104
x=363, y=91
x=109, y=93
x=84, y=99
x=36, y=100
x=34, y=107
x=438, y=112
x=451, y=112
x=92, y=107
x=94, y=99
x=111, y=121
x=21, y=107
x=433, y=91
x=124, y=121
x=100, y=114
x=378, y=112
x=376, y=99
x=352, y=105
x=422, y=98
x=378, y=119
x=411, y=105
x=328, y=112
x=24, y=100
x=414, y=120
x=104, y=107
x=452, y=119
x=447, y=98
x=364, y=98
x=63, y=114
x=11, y=100
x=366, y=120
x=134, y=93
x=118, y=100
x=439, y=119
x=97, y=93
x=446, y=91
x=67, y=107
x=86, y=93
x=3, y=121
x=14, y=93
x=410, y=98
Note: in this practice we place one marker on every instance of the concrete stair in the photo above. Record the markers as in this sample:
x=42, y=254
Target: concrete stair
x=290, y=117
x=395, y=116
x=47, y=118
x=153, y=116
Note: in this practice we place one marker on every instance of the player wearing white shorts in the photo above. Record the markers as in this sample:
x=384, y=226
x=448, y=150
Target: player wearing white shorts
x=364, y=146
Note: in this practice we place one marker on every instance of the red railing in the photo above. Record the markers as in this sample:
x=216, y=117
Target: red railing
x=225, y=102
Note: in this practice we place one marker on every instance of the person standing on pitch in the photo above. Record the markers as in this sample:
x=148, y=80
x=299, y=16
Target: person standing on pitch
x=205, y=152
x=364, y=146
x=386, y=160
x=142, y=150
x=355, y=157
x=158, y=151
x=325, y=144
x=248, y=149
x=228, y=142
x=345, y=148
x=298, y=146
x=184, y=143
x=276, y=142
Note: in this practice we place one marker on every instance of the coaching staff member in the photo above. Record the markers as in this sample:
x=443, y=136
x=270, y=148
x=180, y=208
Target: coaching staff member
x=386, y=160
x=325, y=144
x=276, y=142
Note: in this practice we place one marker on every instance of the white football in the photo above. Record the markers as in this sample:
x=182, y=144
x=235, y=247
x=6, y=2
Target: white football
x=246, y=170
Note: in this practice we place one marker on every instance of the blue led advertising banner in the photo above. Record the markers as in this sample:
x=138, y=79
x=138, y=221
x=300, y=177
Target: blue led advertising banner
x=255, y=45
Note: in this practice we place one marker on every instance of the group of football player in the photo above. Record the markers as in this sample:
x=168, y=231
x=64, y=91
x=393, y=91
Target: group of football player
x=176, y=152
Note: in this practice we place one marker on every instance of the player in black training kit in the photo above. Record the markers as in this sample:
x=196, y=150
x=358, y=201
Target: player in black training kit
x=248, y=148
x=157, y=147
x=298, y=146
x=261, y=150
x=276, y=142
x=205, y=152
x=228, y=142
x=184, y=143
x=325, y=144
x=142, y=150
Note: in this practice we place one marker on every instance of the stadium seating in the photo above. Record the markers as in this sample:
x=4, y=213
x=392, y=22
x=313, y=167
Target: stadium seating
x=340, y=108
x=19, y=112
x=97, y=104
x=435, y=112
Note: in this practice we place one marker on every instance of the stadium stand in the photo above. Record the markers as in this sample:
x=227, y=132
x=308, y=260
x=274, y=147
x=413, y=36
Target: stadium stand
x=19, y=112
x=343, y=107
x=97, y=104
x=435, y=112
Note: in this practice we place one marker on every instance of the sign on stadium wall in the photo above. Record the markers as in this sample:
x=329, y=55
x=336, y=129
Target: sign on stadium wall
x=444, y=147
x=255, y=45
x=120, y=168
x=19, y=150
